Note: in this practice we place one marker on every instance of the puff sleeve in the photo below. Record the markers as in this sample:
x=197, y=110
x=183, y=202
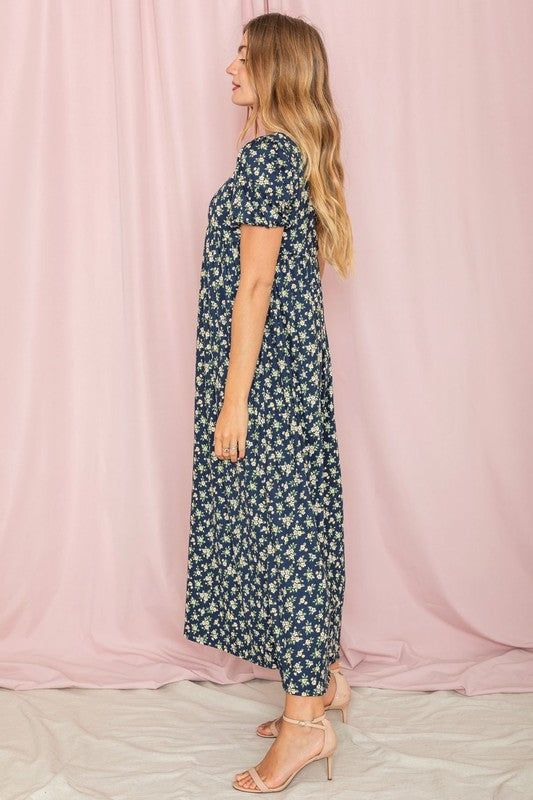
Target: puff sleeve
x=264, y=184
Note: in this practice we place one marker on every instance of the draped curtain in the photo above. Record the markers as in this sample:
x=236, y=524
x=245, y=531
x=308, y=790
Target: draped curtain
x=117, y=127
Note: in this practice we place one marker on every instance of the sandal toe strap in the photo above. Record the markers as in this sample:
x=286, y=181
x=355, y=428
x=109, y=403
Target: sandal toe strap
x=258, y=782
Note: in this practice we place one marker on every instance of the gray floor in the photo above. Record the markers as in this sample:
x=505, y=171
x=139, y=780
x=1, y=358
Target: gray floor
x=187, y=740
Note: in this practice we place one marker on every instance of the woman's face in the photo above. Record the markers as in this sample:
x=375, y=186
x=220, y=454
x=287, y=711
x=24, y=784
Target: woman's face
x=243, y=95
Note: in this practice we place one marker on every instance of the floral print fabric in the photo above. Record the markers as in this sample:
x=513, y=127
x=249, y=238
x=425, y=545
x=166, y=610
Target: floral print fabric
x=266, y=570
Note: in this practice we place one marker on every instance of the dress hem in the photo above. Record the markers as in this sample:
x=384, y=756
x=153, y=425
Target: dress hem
x=256, y=660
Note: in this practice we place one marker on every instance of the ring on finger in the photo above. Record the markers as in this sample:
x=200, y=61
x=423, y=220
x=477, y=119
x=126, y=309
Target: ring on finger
x=229, y=449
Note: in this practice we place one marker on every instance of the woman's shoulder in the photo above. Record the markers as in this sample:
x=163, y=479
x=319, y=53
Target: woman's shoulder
x=276, y=144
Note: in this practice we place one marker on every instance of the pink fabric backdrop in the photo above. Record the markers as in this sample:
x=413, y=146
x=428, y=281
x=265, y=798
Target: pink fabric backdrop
x=117, y=127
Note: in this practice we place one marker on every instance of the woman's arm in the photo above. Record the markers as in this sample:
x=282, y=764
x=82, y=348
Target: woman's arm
x=259, y=250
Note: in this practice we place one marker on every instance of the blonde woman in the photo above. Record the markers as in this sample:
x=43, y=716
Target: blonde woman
x=266, y=546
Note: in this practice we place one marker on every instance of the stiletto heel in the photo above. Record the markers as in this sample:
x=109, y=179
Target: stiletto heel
x=341, y=700
x=344, y=711
x=328, y=748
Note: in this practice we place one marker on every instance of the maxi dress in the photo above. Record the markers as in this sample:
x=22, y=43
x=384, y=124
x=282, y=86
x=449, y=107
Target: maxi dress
x=266, y=564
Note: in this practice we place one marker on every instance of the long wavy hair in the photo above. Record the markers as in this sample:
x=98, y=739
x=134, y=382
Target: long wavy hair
x=287, y=65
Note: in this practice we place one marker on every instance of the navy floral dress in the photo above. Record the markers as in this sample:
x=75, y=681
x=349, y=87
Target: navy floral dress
x=266, y=546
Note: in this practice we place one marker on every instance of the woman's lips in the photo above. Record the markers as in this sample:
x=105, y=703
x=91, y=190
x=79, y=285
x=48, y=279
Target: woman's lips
x=235, y=86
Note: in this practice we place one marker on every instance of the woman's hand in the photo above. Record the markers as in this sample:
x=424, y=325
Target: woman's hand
x=231, y=429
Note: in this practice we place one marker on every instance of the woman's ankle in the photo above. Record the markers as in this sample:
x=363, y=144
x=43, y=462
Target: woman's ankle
x=302, y=707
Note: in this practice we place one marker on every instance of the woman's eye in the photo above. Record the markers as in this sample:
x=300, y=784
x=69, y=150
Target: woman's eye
x=242, y=59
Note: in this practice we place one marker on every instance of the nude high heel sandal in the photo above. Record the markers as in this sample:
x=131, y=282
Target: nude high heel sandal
x=341, y=700
x=342, y=696
x=328, y=748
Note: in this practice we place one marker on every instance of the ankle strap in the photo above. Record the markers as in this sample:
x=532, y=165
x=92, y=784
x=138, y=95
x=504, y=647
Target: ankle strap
x=309, y=723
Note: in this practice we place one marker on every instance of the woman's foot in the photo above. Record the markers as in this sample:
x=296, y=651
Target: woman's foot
x=264, y=728
x=293, y=746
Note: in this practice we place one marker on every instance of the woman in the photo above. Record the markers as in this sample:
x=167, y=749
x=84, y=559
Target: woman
x=266, y=549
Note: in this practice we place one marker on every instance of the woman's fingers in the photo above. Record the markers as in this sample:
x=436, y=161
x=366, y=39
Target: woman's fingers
x=230, y=448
